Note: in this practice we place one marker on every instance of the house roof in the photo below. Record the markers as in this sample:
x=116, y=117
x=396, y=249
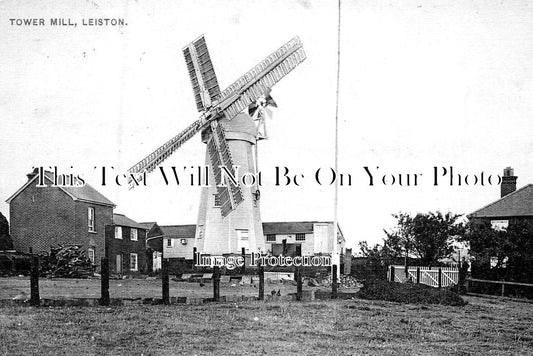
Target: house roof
x=287, y=227
x=148, y=225
x=517, y=203
x=84, y=193
x=179, y=231
x=123, y=220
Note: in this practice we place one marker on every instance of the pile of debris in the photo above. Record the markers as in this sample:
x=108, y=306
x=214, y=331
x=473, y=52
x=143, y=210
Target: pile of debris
x=346, y=282
x=66, y=262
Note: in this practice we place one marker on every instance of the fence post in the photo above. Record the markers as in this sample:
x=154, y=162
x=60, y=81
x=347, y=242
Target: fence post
x=298, y=283
x=243, y=254
x=261, y=281
x=34, y=282
x=104, y=281
x=503, y=288
x=392, y=273
x=418, y=275
x=440, y=278
x=194, y=262
x=165, y=281
x=216, y=283
x=334, y=285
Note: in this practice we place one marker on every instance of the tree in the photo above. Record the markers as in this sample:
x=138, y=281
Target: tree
x=501, y=254
x=5, y=240
x=426, y=236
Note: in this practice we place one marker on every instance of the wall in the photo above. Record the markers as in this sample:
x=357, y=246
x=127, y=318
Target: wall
x=178, y=250
x=41, y=218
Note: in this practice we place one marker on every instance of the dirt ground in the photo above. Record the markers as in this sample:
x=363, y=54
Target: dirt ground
x=347, y=327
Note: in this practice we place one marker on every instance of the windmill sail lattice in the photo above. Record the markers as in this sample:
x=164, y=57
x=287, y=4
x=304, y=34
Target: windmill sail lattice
x=215, y=104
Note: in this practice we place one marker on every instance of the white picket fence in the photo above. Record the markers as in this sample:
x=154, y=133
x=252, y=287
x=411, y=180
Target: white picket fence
x=428, y=275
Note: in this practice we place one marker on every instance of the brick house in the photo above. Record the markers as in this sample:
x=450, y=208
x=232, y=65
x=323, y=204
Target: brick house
x=513, y=203
x=46, y=216
x=126, y=246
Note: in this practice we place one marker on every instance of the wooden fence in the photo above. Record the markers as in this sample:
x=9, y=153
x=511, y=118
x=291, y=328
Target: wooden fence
x=501, y=283
x=431, y=276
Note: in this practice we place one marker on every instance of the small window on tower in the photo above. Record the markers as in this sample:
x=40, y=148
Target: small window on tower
x=216, y=200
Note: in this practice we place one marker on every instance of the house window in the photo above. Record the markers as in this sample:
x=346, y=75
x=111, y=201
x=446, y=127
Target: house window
x=90, y=219
x=133, y=262
x=499, y=225
x=133, y=234
x=216, y=200
x=300, y=237
x=90, y=254
x=118, y=232
x=183, y=241
x=169, y=242
x=271, y=237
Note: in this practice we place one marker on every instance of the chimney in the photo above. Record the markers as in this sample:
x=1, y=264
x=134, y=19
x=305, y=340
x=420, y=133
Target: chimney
x=32, y=174
x=508, y=182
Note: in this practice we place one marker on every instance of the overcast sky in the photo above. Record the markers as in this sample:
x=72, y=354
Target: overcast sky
x=423, y=84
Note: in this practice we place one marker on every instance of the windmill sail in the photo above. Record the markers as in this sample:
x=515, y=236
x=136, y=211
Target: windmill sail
x=262, y=77
x=211, y=102
x=229, y=195
x=150, y=162
x=203, y=79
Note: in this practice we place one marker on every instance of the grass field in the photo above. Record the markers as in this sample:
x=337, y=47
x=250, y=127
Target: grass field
x=129, y=288
x=484, y=326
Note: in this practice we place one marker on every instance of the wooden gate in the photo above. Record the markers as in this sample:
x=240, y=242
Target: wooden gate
x=431, y=276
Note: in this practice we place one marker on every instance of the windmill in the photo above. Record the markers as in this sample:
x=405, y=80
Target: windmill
x=228, y=218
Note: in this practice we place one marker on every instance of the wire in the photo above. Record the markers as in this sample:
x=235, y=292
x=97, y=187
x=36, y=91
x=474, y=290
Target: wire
x=336, y=194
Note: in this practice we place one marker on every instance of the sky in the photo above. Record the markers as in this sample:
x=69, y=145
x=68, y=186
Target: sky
x=423, y=84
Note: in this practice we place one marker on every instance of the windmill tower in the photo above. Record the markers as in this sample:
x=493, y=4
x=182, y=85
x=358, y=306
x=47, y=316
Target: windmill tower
x=229, y=215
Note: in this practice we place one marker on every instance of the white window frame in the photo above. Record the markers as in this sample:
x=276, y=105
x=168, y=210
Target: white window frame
x=134, y=258
x=271, y=238
x=118, y=232
x=243, y=239
x=90, y=219
x=134, y=234
x=298, y=237
x=171, y=243
x=91, y=254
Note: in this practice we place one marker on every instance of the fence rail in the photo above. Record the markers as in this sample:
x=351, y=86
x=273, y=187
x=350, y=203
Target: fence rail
x=431, y=276
x=502, y=283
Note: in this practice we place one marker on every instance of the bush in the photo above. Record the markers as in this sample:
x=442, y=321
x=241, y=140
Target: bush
x=408, y=293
